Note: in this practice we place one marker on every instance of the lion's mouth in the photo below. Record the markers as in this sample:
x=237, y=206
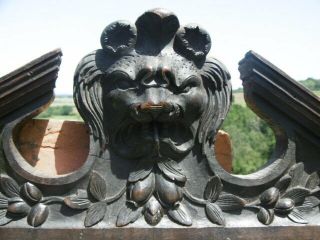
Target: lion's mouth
x=154, y=130
x=157, y=112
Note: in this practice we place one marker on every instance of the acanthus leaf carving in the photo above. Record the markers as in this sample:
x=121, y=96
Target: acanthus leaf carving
x=4, y=218
x=283, y=183
x=3, y=201
x=313, y=181
x=97, y=186
x=215, y=214
x=309, y=203
x=78, y=201
x=172, y=170
x=128, y=214
x=95, y=214
x=153, y=211
x=141, y=171
x=296, y=173
x=9, y=186
x=213, y=189
x=230, y=202
x=297, y=194
x=180, y=215
x=296, y=216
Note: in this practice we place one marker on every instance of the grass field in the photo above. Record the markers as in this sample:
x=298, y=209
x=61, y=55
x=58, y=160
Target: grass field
x=63, y=100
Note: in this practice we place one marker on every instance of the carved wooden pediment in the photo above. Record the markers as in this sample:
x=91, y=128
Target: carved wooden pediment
x=143, y=163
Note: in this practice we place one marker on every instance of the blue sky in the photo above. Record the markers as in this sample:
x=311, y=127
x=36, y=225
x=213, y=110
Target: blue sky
x=286, y=32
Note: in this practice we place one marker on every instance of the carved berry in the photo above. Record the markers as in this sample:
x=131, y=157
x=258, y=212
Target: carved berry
x=19, y=208
x=141, y=190
x=284, y=206
x=38, y=215
x=270, y=196
x=31, y=192
x=168, y=192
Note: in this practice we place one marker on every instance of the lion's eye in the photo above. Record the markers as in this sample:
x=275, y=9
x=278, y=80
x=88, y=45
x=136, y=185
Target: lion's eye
x=122, y=80
x=190, y=83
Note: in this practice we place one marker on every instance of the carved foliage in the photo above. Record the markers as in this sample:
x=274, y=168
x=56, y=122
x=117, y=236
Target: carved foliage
x=96, y=203
x=215, y=201
x=289, y=197
x=152, y=187
x=20, y=201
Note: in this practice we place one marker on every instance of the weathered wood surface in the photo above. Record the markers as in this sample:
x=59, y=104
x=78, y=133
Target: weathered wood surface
x=147, y=176
x=253, y=233
x=29, y=87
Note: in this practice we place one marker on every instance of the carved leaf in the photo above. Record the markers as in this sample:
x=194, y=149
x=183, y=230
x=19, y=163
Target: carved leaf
x=128, y=215
x=213, y=189
x=4, y=219
x=297, y=194
x=172, y=170
x=313, y=181
x=312, y=200
x=3, y=201
x=297, y=217
x=283, y=183
x=153, y=211
x=97, y=186
x=79, y=201
x=9, y=186
x=230, y=202
x=180, y=215
x=265, y=216
x=95, y=214
x=142, y=170
x=38, y=215
x=296, y=172
x=214, y=214
x=31, y=192
x=308, y=204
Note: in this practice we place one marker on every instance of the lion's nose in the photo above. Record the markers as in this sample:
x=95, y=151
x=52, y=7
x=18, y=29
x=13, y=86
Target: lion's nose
x=155, y=78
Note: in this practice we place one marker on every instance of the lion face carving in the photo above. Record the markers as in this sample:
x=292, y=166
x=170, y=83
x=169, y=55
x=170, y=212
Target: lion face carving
x=153, y=109
x=152, y=95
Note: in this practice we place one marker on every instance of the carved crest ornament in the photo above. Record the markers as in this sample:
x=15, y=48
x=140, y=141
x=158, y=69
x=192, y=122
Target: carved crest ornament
x=153, y=101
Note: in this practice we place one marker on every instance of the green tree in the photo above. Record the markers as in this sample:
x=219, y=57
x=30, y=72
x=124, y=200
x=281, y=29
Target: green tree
x=252, y=139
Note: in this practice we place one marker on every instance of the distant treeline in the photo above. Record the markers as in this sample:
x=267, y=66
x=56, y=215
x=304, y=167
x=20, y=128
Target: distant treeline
x=310, y=83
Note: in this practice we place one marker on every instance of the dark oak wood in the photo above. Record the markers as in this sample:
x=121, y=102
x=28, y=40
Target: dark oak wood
x=251, y=233
x=154, y=102
x=22, y=89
